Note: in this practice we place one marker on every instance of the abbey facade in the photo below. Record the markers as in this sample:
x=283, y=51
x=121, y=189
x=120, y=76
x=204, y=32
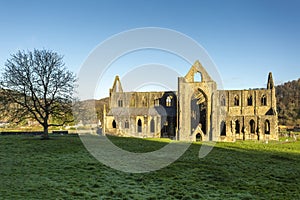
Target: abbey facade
x=196, y=112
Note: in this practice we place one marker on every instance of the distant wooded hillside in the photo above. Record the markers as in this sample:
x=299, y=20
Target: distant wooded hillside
x=99, y=107
x=288, y=103
x=87, y=108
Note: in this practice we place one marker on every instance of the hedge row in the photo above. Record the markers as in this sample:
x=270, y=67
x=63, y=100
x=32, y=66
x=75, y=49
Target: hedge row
x=31, y=132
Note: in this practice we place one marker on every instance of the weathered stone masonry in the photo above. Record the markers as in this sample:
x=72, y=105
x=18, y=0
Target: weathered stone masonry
x=197, y=111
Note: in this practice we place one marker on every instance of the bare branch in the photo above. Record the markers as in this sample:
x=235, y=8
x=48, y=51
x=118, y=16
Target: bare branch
x=40, y=85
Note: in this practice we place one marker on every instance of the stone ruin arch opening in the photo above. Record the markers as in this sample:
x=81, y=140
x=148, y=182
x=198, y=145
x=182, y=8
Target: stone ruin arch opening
x=152, y=126
x=223, y=128
x=252, y=126
x=198, y=137
x=196, y=108
x=139, y=126
x=199, y=111
x=197, y=77
x=114, y=124
x=237, y=127
x=267, y=127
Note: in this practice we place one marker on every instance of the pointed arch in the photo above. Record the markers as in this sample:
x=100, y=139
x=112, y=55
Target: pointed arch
x=249, y=100
x=223, y=128
x=114, y=124
x=117, y=87
x=198, y=137
x=139, y=126
x=169, y=101
x=267, y=127
x=236, y=100
x=199, y=111
x=197, y=77
x=263, y=100
x=197, y=68
x=223, y=101
x=252, y=126
x=152, y=126
x=120, y=103
x=237, y=127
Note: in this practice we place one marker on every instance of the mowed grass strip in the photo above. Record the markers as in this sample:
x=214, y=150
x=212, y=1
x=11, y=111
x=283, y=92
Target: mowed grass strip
x=61, y=168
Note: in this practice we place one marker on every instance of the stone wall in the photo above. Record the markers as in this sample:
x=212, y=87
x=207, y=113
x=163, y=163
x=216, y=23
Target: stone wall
x=198, y=111
x=141, y=114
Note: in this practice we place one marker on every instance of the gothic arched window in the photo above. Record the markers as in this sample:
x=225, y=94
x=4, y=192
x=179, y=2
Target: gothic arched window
x=236, y=100
x=263, y=100
x=120, y=103
x=223, y=101
x=169, y=101
x=267, y=127
x=223, y=128
x=144, y=101
x=249, y=100
x=114, y=124
x=139, y=125
x=252, y=126
x=237, y=126
x=152, y=126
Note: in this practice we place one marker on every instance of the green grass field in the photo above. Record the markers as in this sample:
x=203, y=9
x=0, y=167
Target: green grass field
x=61, y=168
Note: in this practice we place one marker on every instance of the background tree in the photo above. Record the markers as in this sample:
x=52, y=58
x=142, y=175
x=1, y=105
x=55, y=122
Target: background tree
x=36, y=85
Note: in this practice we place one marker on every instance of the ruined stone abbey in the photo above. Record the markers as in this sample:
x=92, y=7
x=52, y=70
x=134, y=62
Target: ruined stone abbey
x=196, y=112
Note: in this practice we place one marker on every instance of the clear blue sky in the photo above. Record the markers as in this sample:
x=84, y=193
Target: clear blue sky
x=246, y=39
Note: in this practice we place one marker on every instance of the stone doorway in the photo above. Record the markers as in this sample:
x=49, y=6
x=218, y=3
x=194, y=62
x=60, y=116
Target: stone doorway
x=198, y=137
x=139, y=126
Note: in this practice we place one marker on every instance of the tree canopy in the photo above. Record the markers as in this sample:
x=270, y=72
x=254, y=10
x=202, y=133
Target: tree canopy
x=288, y=103
x=37, y=85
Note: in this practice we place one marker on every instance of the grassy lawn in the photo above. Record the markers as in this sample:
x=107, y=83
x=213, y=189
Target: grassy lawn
x=61, y=168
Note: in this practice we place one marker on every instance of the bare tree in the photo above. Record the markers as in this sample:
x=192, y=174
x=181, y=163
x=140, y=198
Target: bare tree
x=36, y=85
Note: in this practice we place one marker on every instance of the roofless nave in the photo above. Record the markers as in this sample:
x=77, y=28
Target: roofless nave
x=197, y=111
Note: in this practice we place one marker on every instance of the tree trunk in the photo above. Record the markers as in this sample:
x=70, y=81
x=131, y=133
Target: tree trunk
x=45, y=135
